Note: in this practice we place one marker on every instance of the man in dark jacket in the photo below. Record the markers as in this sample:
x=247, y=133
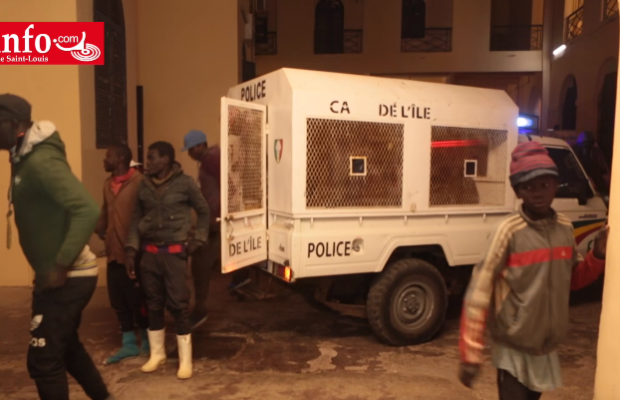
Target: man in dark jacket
x=55, y=217
x=119, y=199
x=160, y=225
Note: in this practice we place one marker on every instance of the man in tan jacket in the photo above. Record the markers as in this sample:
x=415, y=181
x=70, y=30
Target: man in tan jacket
x=126, y=297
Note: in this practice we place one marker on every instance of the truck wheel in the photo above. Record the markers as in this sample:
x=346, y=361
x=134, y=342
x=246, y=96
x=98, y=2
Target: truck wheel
x=407, y=303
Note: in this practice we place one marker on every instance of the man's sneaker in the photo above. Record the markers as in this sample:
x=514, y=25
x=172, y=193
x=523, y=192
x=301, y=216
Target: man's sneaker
x=197, y=320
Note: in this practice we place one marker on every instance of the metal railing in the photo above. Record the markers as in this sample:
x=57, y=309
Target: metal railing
x=353, y=40
x=436, y=40
x=516, y=38
x=611, y=8
x=574, y=24
x=270, y=47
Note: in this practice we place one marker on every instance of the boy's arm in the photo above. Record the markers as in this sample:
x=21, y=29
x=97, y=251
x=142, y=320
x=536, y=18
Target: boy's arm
x=479, y=294
x=586, y=271
x=59, y=183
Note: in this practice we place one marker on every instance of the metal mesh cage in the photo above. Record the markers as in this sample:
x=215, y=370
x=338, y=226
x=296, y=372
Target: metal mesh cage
x=468, y=166
x=335, y=150
x=245, y=162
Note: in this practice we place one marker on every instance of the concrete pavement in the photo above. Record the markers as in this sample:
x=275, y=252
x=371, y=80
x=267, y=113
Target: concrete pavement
x=284, y=348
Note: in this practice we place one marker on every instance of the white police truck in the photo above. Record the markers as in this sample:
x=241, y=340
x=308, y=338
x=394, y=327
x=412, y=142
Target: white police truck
x=383, y=192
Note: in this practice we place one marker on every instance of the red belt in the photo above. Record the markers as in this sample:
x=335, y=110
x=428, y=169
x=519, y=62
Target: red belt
x=168, y=249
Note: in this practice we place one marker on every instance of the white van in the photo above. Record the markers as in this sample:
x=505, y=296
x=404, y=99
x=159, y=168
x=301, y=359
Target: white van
x=382, y=191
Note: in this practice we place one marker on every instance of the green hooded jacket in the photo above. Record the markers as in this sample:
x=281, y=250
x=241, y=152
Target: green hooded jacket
x=54, y=213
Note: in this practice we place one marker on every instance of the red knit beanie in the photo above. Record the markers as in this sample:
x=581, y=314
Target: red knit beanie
x=530, y=160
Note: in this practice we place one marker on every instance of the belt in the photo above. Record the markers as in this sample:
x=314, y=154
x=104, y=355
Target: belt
x=166, y=249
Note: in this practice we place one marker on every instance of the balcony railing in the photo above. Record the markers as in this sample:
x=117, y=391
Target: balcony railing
x=353, y=40
x=436, y=40
x=574, y=24
x=516, y=38
x=611, y=8
x=270, y=47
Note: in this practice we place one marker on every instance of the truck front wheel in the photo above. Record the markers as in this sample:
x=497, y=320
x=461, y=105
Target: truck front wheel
x=407, y=303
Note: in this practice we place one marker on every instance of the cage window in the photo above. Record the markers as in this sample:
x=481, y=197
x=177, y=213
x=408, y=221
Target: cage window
x=358, y=166
x=471, y=168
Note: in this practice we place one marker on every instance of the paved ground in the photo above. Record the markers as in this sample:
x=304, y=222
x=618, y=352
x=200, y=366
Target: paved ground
x=284, y=348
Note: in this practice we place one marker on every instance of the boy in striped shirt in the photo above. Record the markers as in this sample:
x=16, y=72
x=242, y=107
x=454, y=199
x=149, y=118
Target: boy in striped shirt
x=522, y=286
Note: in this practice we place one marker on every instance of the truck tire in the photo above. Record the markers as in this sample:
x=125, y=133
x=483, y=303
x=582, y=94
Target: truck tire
x=407, y=303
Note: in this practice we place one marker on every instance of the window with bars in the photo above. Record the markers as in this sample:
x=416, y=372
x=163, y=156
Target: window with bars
x=266, y=22
x=426, y=26
x=111, y=78
x=329, y=27
x=335, y=34
x=574, y=24
x=413, y=19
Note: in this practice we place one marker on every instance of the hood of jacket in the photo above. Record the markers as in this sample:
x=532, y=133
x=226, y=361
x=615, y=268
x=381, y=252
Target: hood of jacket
x=39, y=132
x=175, y=172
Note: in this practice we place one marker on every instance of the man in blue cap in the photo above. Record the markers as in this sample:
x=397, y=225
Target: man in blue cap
x=208, y=256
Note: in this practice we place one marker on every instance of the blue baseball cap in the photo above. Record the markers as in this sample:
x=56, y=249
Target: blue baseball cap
x=193, y=139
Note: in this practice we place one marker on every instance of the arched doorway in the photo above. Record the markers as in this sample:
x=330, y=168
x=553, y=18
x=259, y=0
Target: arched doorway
x=569, y=104
x=608, y=78
x=329, y=27
x=111, y=78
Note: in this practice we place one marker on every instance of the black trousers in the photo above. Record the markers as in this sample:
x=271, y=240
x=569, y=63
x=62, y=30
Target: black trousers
x=511, y=389
x=55, y=346
x=204, y=261
x=126, y=298
x=164, y=280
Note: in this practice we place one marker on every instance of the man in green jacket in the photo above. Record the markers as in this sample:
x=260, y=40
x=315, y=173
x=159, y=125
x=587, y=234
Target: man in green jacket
x=55, y=217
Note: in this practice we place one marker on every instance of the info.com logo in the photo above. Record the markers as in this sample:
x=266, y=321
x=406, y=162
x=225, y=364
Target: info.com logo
x=52, y=43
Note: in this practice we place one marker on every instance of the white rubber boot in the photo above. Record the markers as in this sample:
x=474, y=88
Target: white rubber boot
x=184, y=343
x=157, y=340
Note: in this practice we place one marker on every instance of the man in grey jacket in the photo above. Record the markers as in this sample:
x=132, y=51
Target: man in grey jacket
x=160, y=225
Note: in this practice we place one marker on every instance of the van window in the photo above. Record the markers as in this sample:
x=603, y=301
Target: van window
x=573, y=181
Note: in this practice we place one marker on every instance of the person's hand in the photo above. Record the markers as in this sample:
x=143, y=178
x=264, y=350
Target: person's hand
x=130, y=260
x=192, y=233
x=192, y=246
x=468, y=374
x=600, y=243
x=56, y=278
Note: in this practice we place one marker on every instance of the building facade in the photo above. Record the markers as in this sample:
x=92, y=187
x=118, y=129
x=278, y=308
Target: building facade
x=183, y=57
x=172, y=64
x=583, y=73
x=487, y=43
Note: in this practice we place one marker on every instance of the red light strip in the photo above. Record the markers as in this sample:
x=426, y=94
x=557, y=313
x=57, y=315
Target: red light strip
x=456, y=143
